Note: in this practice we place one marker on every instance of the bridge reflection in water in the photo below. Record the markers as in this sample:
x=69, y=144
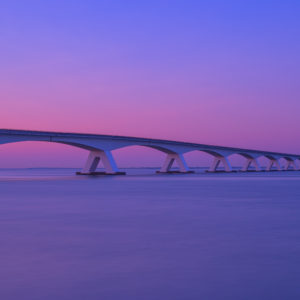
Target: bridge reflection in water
x=100, y=147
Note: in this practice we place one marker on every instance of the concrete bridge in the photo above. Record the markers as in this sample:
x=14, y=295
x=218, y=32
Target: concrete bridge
x=100, y=147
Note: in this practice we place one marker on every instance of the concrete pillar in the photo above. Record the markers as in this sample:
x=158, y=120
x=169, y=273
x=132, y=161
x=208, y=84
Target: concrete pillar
x=272, y=162
x=169, y=161
x=254, y=162
x=290, y=163
x=107, y=160
x=220, y=159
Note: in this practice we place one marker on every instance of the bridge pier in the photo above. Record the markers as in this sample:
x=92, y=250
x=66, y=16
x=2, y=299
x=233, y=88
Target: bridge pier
x=93, y=160
x=290, y=163
x=169, y=161
x=274, y=162
x=254, y=162
x=220, y=159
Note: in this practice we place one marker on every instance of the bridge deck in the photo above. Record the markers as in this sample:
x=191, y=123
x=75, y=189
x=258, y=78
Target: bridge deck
x=51, y=134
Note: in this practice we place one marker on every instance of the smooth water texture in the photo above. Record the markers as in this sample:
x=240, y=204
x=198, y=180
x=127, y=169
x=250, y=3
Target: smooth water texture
x=149, y=236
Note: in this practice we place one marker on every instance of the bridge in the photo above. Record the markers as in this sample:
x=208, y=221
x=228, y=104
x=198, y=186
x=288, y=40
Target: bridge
x=100, y=147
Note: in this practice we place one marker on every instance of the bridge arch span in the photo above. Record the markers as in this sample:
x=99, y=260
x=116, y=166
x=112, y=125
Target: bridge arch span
x=173, y=154
x=222, y=157
x=77, y=145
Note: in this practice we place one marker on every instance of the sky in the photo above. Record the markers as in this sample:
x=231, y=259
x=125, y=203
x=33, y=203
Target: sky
x=214, y=72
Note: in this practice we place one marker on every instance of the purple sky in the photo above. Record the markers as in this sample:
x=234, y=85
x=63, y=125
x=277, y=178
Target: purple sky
x=215, y=72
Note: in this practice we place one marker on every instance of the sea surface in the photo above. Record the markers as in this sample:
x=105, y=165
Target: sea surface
x=149, y=236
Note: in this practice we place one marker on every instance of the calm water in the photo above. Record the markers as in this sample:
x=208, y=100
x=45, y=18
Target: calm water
x=146, y=236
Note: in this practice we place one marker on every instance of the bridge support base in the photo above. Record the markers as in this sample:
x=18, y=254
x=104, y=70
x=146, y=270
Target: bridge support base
x=170, y=159
x=101, y=173
x=217, y=160
x=254, y=162
x=107, y=160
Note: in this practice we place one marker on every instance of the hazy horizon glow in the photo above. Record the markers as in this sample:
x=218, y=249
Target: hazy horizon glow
x=212, y=72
